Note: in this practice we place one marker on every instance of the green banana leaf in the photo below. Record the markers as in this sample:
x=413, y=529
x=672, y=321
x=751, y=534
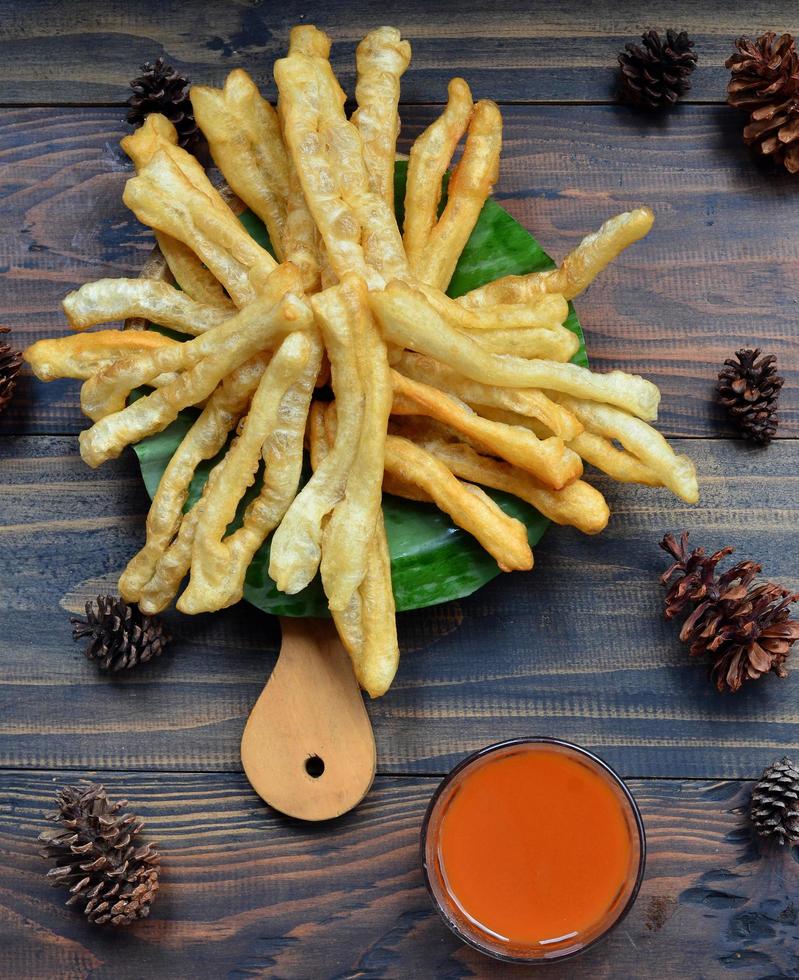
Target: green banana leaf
x=432, y=561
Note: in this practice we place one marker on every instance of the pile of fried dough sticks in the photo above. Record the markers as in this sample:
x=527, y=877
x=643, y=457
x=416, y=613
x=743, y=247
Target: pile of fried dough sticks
x=433, y=397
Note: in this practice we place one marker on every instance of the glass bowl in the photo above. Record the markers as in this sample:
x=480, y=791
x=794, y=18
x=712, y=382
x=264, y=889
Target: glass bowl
x=481, y=937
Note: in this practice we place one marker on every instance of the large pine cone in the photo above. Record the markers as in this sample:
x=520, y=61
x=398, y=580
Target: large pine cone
x=764, y=72
x=10, y=363
x=98, y=855
x=765, y=83
x=743, y=630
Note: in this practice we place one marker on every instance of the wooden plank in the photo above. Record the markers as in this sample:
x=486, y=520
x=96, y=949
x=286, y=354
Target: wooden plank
x=86, y=51
x=718, y=270
x=252, y=894
x=577, y=648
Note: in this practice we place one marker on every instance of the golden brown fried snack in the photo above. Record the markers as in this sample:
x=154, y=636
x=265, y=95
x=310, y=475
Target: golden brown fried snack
x=299, y=85
x=642, y=441
x=345, y=544
x=274, y=427
x=618, y=463
x=469, y=188
x=503, y=537
x=577, y=271
x=297, y=543
x=191, y=275
x=429, y=158
x=381, y=239
x=548, y=311
x=243, y=133
x=117, y=299
x=107, y=438
x=525, y=401
x=203, y=441
x=409, y=321
x=367, y=626
x=83, y=355
x=162, y=197
x=381, y=58
x=108, y=390
x=552, y=344
x=158, y=133
x=578, y=505
x=547, y=459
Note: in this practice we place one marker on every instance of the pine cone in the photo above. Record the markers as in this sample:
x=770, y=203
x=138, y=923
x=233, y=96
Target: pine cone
x=110, y=873
x=655, y=75
x=744, y=630
x=765, y=82
x=160, y=88
x=10, y=363
x=749, y=389
x=775, y=803
x=764, y=72
x=120, y=635
x=698, y=574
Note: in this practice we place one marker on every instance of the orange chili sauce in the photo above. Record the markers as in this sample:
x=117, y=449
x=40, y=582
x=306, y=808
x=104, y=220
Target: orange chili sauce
x=534, y=847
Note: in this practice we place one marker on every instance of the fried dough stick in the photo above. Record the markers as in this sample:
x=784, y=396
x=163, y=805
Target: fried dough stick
x=409, y=321
x=503, y=537
x=547, y=459
x=470, y=186
x=108, y=390
x=577, y=271
x=107, y=438
x=578, y=505
x=367, y=626
x=526, y=401
x=274, y=428
x=352, y=523
x=641, y=440
x=429, y=158
x=106, y=300
x=84, y=354
x=162, y=197
x=203, y=441
x=297, y=543
x=358, y=228
x=157, y=132
x=381, y=58
x=243, y=133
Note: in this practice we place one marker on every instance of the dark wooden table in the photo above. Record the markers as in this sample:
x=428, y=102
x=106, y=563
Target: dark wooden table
x=576, y=649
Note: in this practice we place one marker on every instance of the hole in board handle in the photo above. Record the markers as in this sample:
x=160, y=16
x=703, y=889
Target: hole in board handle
x=314, y=766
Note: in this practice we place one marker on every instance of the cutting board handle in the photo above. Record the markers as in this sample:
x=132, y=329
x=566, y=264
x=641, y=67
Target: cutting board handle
x=308, y=748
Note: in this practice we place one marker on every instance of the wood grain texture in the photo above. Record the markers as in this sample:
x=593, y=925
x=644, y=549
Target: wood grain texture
x=717, y=271
x=577, y=648
x=87, y=50
x=248, y=894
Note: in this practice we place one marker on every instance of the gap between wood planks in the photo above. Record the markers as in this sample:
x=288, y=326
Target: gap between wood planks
x=165, y=773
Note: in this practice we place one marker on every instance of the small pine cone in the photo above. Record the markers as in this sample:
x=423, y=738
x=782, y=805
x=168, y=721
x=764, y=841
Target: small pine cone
x=111, y=874
x=775, y=803
x=656, y=74
x=764, y=72
x=160, y=88
x=120, y=635
x=749, y=389
x=10, y=363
